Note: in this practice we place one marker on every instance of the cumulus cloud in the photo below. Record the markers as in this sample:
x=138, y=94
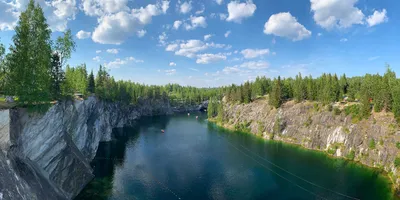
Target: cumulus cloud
x=83, y=34
x=227, y=34
x=190, y=48
x=117, y=63
x=195, y=22
x=172, y=64
x=177, y=24
x=170, y=72
x=207, y=37
x=377, y=18
x=285, y=25
x=101, y=7
x=112, y=51
x=117, y=27
x=97, y=58
x=210, y=58
x=58, y=13
x=172, y=47
x=162, y=39
x=141, y=33
x=98, y=51
x=203, y=8
x=238, y=11
x=185, y=7
x=223, y=16
x=219, y=2
x=254, y=53
x=336, y=13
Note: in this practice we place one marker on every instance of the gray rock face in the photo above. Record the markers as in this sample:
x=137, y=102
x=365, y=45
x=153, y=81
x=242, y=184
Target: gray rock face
x=46, y=156
x=321, y=130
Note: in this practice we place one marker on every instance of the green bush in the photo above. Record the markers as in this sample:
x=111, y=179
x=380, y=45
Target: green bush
x=316, y=107
x=398, y=145
x=397, y=162
x=308, y=122
x=355, y=112
x=371, y=143
x=351, y=155
x=330, y=107
x=336, y=111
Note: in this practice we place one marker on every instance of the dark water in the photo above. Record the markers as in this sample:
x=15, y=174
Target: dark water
x=195, y=160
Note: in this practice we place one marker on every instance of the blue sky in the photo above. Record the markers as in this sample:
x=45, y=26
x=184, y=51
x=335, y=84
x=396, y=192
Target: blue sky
x=218, y=42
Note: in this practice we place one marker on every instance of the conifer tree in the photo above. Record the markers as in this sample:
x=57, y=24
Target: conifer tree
x=275, y=98
x=91, y=84
x=57, y=77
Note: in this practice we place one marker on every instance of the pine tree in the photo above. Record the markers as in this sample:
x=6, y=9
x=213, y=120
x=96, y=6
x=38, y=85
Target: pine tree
x=275, y=98
x=57, y=77
x=30, y=58
x=91, y=84
x=246, y=92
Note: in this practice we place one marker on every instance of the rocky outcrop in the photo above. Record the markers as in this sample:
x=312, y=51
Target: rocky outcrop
x=47, y=156
x=372, y=141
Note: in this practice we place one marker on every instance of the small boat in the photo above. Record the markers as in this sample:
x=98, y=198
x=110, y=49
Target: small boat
x=162, y=131
x=197, y=117
x=188, y=114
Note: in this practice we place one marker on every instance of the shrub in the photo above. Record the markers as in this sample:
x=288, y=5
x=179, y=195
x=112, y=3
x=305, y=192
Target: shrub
x=398, y=145
x=397, y=162
x=371, y=143
x=308, y=122
x=351, y=155
x=316, y=107
x=330, y=108
x=336, y=111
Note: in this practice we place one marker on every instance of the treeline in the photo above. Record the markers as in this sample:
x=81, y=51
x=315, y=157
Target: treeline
x=33, y=70
x=372, y=91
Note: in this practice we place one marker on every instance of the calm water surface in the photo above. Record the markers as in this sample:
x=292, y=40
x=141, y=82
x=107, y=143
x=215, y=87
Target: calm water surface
x=195, y=160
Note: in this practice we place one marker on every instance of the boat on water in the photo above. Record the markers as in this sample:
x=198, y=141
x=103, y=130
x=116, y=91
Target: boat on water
x=188, y=114
x=162, y=131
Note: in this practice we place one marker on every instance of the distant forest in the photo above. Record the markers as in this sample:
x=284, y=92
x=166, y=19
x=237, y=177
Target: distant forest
x=35, y=70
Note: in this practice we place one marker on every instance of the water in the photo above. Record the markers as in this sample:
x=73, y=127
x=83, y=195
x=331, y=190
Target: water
x=193, y=159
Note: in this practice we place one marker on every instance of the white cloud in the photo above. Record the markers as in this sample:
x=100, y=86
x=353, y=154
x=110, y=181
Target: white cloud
x=98, y=51
x=254, y=53
x=117, y=63
x=113, y=51
x=170, y=72
x=97, y=58
x=199, y=21
x=177, y=24
x=373, y=58
x=203, y=8
x=223, y=16
x=331, y=14
x=141, y=33
x=343, y=40
x=172, y=47
x=117, y=27
x=100, y=7
x=210, y=58
x=58, y=13
x=186, y=7
x=377, y=18
x=190, y=48
x=227, y=34
x=165, y=6
x=238, y=11
x=162, y=39
x=219, y=2
x=172, y=64
x=255, y=65
x=285, y=25
x=207, y=37
x=83, y=34
x=231, y=70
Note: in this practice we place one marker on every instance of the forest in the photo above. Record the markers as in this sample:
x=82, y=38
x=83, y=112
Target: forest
x=372, y=92
x=35, y=70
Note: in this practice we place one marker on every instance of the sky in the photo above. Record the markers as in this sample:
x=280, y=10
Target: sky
x=207, y=43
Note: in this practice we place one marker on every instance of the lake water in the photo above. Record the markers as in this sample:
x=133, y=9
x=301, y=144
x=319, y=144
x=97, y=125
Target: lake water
x=193, y=159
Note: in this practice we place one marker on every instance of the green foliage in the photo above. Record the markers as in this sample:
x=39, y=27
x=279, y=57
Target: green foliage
x=278, y=126
x=308, y=122
x=275, y=98
x=30, y=57
x=64, y=46
x=371, y=143
x=336, y=111
x=91, y=88
x=243, y=127
x=260, y=128
x=316, y=107
x=57, y=77
x=397, y=161
x=351, y=155
x=398, y=145
x=329, y=107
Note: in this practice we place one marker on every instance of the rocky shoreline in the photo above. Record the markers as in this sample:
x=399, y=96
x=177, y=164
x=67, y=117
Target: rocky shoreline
x=47, y=156
x=372, y=142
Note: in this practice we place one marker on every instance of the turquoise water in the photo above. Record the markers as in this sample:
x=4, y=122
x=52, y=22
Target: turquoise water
x=193, y=159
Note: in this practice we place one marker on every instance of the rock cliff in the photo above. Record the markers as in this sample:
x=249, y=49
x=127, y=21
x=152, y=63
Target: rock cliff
x=373, y=142
x=47, y=156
